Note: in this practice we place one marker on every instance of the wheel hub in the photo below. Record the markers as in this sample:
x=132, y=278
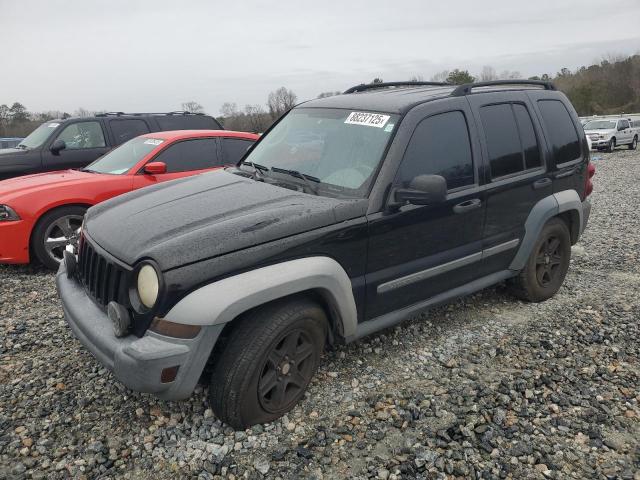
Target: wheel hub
x=287, y=371
x=285, y=368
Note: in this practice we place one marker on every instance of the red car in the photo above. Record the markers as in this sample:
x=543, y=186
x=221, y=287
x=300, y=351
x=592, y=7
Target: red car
x=41, y=214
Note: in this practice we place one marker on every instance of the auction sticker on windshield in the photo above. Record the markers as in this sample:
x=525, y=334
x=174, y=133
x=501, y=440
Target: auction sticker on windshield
x=367, y=119
x=153, y=141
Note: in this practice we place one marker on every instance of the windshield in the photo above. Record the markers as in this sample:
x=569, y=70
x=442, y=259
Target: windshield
x=121, y=159
x=600, y=125
x=338, y=149
x=39, y=135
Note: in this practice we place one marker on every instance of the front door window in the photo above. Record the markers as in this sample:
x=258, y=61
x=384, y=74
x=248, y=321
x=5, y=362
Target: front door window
x=82, y=135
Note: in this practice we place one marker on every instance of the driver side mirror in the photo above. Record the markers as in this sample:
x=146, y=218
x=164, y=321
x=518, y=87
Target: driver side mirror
x=57, y=145
x=155, y=168
x=423, y=190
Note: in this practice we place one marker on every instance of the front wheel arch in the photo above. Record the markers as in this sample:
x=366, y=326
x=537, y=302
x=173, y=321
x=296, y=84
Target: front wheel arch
x=37, y=223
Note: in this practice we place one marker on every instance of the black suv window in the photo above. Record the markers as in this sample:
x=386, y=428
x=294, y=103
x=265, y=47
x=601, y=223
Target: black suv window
x=562, y=133
x=190, y=155
x=233, y=149
x=439, y=146
x=532, y=158
x=511, y=139
x=81, y=135
x=187, y=122
x=124, y=130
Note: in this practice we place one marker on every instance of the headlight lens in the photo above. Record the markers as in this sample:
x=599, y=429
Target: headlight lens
x=148, y=285
x=8, y=214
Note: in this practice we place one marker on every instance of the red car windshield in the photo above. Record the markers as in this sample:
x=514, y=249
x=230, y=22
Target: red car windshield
x=123, y=158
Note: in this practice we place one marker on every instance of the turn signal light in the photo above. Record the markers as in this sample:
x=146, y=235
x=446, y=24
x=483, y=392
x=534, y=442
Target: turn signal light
x=176, y=330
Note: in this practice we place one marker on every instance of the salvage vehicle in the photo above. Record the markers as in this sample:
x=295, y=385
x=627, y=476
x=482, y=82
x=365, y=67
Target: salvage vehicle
x=76, y=142
x=608, y=133
x=41, y=214
x=351, y=214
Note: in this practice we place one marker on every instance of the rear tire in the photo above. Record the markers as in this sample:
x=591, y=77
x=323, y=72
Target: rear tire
x=634, y=144
x=54, y=231
x=267, y=362
x=547, y=265
x=612, y=145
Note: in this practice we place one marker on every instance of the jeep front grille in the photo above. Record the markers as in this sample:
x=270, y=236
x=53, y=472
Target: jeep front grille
x=103, y=279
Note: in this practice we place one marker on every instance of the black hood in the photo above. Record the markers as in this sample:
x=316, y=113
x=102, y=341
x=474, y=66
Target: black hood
x=200, y=217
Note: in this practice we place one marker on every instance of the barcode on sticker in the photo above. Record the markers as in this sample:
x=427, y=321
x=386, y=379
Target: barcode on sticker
x=368, y=119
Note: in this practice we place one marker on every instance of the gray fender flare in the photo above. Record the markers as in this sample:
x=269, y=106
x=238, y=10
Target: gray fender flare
x=548, y=207
x=222, y=301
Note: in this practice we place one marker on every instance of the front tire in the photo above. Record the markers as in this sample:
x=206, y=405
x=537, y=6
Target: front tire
x=612, y=145
x=54, y=231
x=267, y=362
x=547, y=266
x=634, y=144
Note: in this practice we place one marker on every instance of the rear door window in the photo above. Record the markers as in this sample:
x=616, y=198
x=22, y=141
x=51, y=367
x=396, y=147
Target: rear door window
x=439, y=145
x=532, y=158
x=560, y=130
x=503, y=140
x=124, y=130
x=511, y=139
x=233, y=149
x=196, y=154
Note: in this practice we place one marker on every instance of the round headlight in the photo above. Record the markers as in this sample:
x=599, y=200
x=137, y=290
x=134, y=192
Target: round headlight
x=148, y=285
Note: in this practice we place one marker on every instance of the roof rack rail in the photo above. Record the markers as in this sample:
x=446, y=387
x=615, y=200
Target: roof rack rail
x=138, y=114
x=369, y=86
x=183, y=112
x=465, y=89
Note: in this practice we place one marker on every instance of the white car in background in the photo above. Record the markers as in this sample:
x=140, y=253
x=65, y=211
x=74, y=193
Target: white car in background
x=609, y=133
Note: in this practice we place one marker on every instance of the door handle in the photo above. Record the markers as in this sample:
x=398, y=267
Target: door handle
x=467, y=206
x=543, y=182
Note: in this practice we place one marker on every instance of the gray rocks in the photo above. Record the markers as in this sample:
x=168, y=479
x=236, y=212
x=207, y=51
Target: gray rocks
x=486, y=387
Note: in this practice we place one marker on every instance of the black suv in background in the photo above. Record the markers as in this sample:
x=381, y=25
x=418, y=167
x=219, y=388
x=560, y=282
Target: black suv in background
x=76, y=142
x=349, y=215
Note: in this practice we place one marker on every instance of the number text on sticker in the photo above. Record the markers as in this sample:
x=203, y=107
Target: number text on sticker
x=368, y=119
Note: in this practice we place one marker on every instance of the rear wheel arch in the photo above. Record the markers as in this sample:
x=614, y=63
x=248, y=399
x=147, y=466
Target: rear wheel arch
x=572, y=219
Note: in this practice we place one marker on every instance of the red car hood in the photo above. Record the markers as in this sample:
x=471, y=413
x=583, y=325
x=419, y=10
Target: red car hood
x=39, y=182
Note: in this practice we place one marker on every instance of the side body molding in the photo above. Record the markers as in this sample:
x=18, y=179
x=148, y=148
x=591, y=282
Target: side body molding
x=548, y=207
x=222, y=301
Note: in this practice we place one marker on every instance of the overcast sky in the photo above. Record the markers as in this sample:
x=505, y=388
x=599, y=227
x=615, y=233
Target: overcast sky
x=152, y=55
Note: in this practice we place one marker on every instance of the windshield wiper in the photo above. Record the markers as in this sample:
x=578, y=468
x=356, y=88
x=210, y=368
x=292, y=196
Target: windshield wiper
x=88, y=170
x=259, y=170
x=306, y=178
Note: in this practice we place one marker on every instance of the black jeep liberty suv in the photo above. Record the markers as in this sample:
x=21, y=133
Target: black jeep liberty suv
x=350, y=214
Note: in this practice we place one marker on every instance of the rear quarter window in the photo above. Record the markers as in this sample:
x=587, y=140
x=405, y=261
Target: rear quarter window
x=560, y=131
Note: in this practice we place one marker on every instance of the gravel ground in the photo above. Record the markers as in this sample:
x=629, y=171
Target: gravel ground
x=487, y=387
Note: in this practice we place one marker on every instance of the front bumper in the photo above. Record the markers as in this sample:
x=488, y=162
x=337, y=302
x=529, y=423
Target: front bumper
x=14, y=241
x=600, y=143
x=136, y=362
